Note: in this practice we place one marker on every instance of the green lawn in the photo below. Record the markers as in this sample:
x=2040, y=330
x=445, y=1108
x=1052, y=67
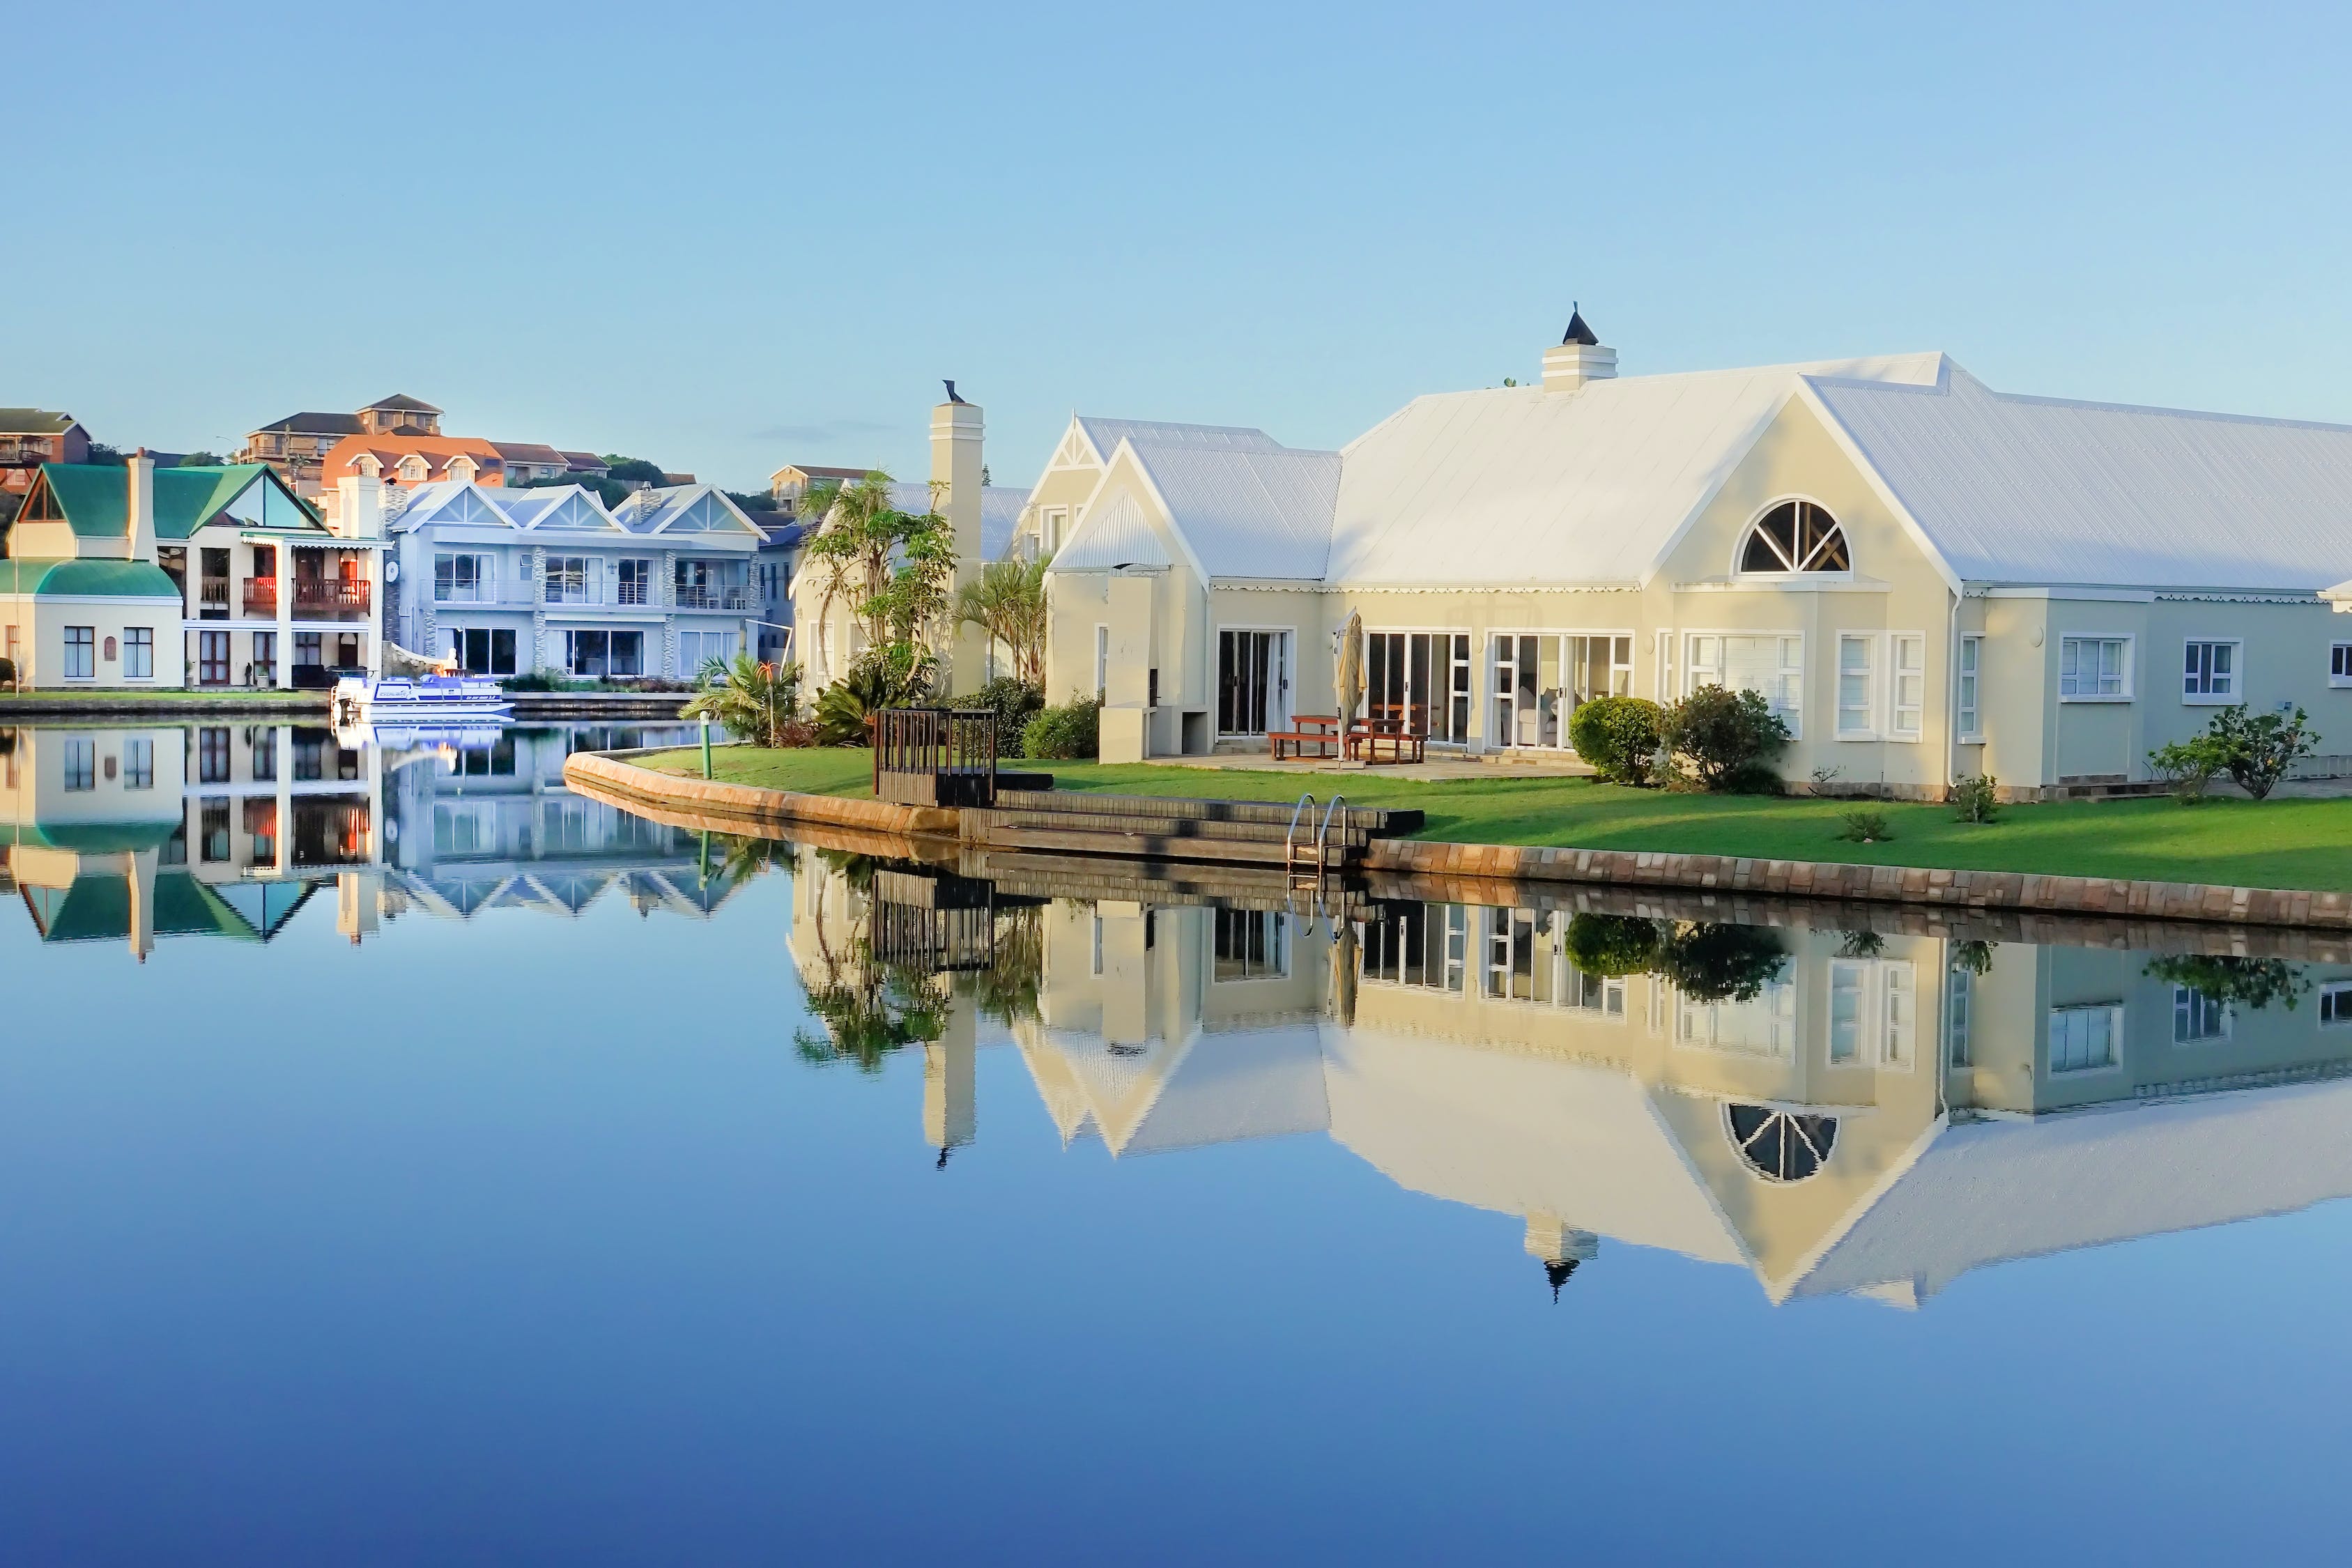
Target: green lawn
x=2276, y=844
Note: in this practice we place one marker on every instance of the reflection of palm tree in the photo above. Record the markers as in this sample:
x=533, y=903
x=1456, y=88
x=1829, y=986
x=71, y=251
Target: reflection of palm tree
x=1007, y=990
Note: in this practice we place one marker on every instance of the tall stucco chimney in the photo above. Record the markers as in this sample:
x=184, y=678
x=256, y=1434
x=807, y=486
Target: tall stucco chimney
x=359, y=506
x=139, y=482
x=1577, y=358
x=956, y=430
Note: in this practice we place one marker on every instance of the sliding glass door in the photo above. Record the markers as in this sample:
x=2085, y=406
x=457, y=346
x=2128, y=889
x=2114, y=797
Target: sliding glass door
x=1541, y=677
x=1253, y=681
x=1420, y=682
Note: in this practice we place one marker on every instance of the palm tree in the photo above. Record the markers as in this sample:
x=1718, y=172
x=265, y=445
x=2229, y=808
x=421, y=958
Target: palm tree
x=753, y=700
x=1007, y=601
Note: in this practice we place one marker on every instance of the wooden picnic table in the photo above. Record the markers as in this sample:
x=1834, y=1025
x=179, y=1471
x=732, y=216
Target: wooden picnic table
x=1320, y=731
x=1368, y=740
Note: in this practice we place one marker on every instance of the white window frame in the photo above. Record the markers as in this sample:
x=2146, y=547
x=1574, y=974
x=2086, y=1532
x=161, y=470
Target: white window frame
x=2126, y=661
x=1696, y=674
x=1969, y=712
x=2236, y=678
x=1897, y=708
x=2115, y=1011
x=2334, y=1006
x=1102, y=661
x=1897, y=1015
x=1848, y=975
x=2339, y=664
x=2187, y=999
x=1960, y=1003
x=1872, y=643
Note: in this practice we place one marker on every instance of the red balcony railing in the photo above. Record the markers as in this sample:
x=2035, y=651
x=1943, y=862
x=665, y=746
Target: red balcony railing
x=261, y=595
x=330, y=597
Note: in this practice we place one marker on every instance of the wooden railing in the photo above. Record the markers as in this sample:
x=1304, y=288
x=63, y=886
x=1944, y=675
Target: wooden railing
x=330, y=596
x=261, y=595
x=935, y=756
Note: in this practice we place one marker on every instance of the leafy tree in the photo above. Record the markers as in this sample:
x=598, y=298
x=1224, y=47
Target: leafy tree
x=896, y=568
x=1014, y=701
x=2259, y=750
x=612, y=492
x=1618, y=735
x=2249, y=983
x=1729, y=736
x=1715, y=961
x=757, y=701
x=885, y=677
x=203, y=460
x=752, y=501
x=1612, y=946
x=1974, y=955
x=112, y=457
x=632, y=470
x=1007, y=601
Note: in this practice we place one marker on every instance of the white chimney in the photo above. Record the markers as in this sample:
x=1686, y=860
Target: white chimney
x=139, y=486
x=1577, y=358
x=359, y=507
x=956, y=431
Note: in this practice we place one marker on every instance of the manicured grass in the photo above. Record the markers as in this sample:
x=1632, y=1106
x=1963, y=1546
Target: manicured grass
x=2275, y=844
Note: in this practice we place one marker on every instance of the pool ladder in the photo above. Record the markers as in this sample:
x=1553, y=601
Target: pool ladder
x=1296, y=853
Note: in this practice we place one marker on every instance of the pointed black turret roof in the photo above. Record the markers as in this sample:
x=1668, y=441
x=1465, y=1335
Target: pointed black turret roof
x=1578, y=333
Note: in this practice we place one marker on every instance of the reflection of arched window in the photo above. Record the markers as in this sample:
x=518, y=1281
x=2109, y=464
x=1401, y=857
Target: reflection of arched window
x=1780, y=1146
x=1796, y=536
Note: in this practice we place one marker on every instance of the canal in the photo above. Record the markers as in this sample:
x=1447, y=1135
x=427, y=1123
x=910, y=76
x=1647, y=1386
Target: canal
x=403, y=1158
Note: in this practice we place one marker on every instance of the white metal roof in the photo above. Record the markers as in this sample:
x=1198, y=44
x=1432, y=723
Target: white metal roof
x=1987, y=1191
x=1519, y=485
x=1000, y=509
x=1107, y=434
x=2037, y=489
x=1248, y=512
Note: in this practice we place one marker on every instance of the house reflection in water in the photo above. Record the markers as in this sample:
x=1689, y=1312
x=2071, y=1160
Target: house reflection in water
x=494, y=826
x=131, y=833
x=134, y=833
x=1871, y=1111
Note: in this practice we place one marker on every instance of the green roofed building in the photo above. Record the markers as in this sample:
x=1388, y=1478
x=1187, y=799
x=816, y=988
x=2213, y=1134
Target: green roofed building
x=129, y=576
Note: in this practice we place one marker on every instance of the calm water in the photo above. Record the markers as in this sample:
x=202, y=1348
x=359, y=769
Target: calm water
x=469, y=1172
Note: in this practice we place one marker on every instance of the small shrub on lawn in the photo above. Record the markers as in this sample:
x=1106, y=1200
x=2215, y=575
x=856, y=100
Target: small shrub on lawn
x=1066, y=733
x=1618, y=735
x=1976, y=797
x=1729, y=737
x=2262, y=748
x=1866, y=827
x=2187, y=768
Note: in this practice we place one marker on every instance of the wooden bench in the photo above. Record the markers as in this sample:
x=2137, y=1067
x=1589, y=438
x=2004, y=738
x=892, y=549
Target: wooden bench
x=1320, y=731
x=1367, y=742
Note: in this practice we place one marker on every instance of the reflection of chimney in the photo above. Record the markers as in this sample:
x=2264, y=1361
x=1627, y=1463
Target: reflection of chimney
x=142, y=901
x=956, y=430
x=140, y=479
x=1577, y=358
x=1560, y=1247
x=951, y=1091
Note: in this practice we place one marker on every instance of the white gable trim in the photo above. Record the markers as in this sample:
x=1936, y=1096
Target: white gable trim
x=1151, y=488
x=1877, y=481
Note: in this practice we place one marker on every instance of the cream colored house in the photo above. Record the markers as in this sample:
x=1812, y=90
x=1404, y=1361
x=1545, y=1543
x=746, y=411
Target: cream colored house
x=1883, y=1113
x=1925, y=578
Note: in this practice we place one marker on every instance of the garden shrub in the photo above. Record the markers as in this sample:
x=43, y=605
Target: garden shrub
x=1066, y=733
x=1728, y=737
x=2257, y=751
x=1976, y=797
x=1720, y=963
x=1619, y=736
x=1866, y=827
x=2187, y=767
x=1014, y=701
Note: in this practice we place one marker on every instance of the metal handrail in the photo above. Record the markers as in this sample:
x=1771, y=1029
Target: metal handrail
x=1289, y=854
x=1320, y=832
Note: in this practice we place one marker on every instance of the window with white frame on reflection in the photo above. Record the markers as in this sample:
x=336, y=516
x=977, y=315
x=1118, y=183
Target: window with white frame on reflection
x=1959, y=1005
x=1425, y=945
x=2198, y=1017
x=1764, y=1024
x=1772, y=664
x=1419, y=683
x=1874, y=1012
x=1524, y=958
x=2085, y=1039
x=1540, y=679
x=2336, y=1004
x=1250, y=944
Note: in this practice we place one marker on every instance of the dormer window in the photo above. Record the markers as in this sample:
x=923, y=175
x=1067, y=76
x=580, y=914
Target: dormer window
x=412, y=468
x=461, y=468
x=1796, y=536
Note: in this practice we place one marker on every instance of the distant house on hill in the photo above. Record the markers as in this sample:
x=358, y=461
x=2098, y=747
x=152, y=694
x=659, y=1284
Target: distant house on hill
x=31, y=436
x=295, y=444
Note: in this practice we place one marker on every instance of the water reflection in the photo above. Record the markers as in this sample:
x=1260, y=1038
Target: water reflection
x=1864, y=1100
x=136, y=833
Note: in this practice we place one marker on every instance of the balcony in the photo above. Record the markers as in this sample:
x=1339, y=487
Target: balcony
x=261, y=596
x=212, y=598
x=715, y=598
x=330, y=597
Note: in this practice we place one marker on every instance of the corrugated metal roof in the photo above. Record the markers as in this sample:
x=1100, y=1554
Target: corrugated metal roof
x=1107, y=434
x=1249, y=512
x=999, y=509
x=1520, y=485
x=1117, y=535
x=2032, y=489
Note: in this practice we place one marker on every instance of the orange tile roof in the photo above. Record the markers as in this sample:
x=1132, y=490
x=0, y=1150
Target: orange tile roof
x=436, y=450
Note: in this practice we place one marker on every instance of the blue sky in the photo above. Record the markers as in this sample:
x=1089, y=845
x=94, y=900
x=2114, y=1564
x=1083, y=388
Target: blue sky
x=727, y=238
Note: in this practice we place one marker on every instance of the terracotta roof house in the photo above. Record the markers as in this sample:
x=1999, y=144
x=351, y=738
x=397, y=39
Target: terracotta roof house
x=31, y=436
x=529, y=461
x=793, y=481
x=295, y=444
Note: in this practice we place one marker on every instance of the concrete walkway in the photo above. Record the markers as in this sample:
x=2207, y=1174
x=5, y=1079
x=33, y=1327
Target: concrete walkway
x=1438, y=769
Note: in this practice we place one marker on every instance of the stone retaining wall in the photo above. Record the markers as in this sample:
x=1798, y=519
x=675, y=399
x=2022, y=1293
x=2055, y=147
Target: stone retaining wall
x=752, y=805
x=1895, y=884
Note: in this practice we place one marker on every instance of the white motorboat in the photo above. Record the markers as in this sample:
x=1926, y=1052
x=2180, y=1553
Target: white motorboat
x=426, y=701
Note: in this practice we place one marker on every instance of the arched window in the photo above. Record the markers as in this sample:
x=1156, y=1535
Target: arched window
x=1796, y=536
x=1780, y=1146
